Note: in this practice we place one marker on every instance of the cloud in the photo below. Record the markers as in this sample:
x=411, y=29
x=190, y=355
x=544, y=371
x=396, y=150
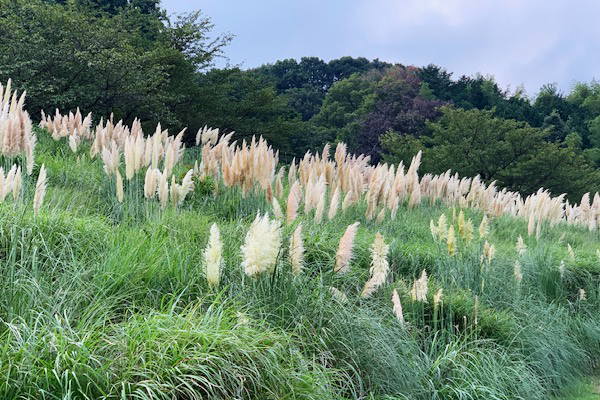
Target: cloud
x=528, y=42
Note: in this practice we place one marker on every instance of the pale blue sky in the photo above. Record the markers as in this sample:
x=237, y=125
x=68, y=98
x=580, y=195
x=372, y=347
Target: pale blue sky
x=527, y=42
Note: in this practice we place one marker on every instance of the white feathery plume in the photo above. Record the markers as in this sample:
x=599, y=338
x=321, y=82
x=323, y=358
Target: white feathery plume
x=419, y=288
x=150, y=182
x=437, y=298
x=379, y=265
x=17, y=184
x=297, y=251
x=344, y=252
x=293, y=202
x=261, y=246
x=397, y=307
x=119, y=186
x=277, y=212
x=484, y=228
x=213, y=257
x=517, y=272
x=334, y=204
x=40, y=190
x=338, y=295
x=347, y=200
x=320, y=208
x=163, y=189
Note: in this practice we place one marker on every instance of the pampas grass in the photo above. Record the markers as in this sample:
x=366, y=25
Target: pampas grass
x=451, y=241
x=213, y=257
x=261, y=246
x=293, y=202
x=397, y=307
x=517, y=272
x=151, y=182
x=420, y=288
x=379, y=266
x=334, y=204
x=296, y=251
x=40, y=190
x=484, y=228
x=277, y=212
x=119, y=186
x=344, y=252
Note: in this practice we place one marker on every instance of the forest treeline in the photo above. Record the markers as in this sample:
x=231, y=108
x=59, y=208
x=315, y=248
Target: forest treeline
x=130, y=59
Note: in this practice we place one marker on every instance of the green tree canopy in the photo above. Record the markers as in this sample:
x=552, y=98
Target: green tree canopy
x=512, y=153
x=130, y=64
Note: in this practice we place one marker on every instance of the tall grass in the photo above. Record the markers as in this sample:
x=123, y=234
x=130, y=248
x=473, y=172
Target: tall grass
x=211, y=295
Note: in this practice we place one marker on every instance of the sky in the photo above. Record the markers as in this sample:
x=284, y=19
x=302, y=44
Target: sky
x=522, y=43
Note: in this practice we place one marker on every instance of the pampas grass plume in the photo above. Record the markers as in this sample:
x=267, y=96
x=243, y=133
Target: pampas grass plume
x=40, y=191
x=334, y=204
x=344, y=252
x=261, y=247
x=277, y=212
x=451, y=241
x=420, y=288
x=119, y=186
x=293, y=202
x=213, y=257
x=484, y=228
x=297, y=251
x=397, y=307
x=379, y=265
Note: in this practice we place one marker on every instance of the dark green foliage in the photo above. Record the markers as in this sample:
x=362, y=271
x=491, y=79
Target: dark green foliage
x=124, y=62
x=512, y=153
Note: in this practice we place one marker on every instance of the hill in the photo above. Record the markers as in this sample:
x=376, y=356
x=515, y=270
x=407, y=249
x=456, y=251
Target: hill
x=135, y=268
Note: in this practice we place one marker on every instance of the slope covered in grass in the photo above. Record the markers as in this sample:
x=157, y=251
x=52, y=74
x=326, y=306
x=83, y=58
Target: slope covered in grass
x=329, y=278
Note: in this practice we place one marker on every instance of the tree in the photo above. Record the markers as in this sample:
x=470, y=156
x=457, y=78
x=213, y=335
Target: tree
x=398, y=106
x=125, y=63
x=241, y=101
x=516, y=155
x=189, y=34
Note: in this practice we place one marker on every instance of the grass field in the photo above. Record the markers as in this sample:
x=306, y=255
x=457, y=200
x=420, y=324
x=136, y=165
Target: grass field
x=109, y=295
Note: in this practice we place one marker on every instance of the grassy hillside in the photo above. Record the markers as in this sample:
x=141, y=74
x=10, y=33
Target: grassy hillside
x=102, y=298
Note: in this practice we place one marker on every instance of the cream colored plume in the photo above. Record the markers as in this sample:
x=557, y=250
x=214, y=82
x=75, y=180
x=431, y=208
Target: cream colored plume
x=213, y=257
x=488, y=252
x=517, y=272
x=437, y=298
x=119, y=186
x=484, y=228
x=277, y=212
x=261, y=246
x=348, y=200
x=420, y=288
x=297, y=251
x=379, y=265
x=344, y=252
x=338, y=295
x=40, y=191
x=293, y=202
x=163, y=189
x=334, y=204
x=151, y=182
x=16, y=135
x=451, y=241
x=397, y=307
